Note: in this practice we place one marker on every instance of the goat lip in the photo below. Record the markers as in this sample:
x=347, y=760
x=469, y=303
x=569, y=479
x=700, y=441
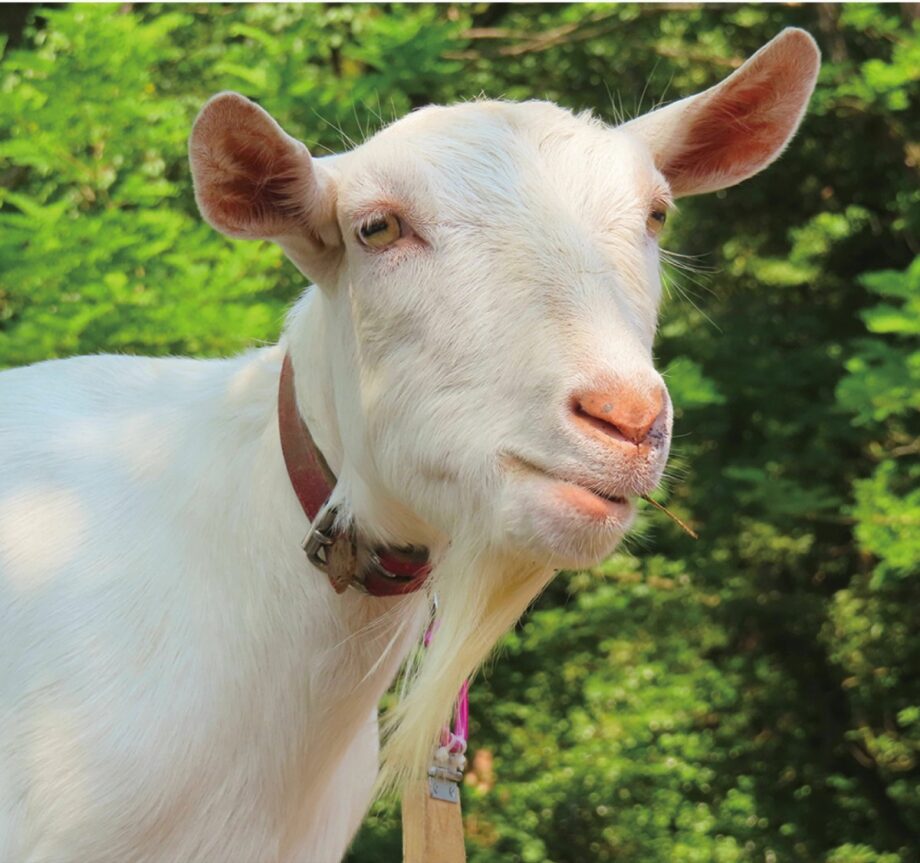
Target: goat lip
x=588, y=500
x=590, y=503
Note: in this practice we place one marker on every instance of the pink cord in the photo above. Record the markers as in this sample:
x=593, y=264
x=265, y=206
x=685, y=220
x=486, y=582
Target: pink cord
x=462, y=721
x=455, y=741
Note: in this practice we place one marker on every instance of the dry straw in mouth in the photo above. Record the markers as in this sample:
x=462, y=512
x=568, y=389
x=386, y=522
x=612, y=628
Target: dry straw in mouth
x=681, y=524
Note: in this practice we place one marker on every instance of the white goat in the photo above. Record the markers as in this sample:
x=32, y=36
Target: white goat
x=475, y=364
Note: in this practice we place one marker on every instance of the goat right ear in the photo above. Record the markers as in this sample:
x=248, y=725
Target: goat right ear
x=733, y=130
x=253, y=180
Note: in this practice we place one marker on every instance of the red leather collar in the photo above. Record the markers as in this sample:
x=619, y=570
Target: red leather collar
x=338, y=551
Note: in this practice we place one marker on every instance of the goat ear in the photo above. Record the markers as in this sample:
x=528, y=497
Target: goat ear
x=255, y=181
x=733, y=130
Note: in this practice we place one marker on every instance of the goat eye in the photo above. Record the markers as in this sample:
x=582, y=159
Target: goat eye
x=380, y=231
x=656, y=220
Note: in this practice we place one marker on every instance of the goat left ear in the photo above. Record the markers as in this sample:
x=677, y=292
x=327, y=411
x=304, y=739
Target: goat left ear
x=253, y=180
x=728, y=133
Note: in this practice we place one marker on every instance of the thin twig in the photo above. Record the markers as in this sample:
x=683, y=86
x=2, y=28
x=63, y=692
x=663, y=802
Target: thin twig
x=681, y=524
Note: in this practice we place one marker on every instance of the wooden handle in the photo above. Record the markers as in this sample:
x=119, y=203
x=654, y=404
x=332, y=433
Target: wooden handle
x=432, y=829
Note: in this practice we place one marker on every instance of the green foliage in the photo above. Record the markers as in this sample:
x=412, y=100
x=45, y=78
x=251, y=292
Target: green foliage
x=101, y=246
x=753, y=696
x=860, y=854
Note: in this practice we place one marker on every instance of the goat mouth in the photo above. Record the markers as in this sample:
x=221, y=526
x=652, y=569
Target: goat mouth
x=612, y=498
x=589, y=500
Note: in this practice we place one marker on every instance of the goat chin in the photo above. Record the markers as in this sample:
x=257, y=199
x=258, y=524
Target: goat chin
x=481, y=594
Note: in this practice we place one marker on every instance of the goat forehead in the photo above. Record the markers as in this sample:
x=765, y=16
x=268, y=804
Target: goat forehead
x=510, y=157
x=474, y=120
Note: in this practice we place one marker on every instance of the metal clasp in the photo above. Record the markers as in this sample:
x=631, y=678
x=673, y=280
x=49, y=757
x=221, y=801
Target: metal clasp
x=352, y=562
x=444, y=784
x=321, y=537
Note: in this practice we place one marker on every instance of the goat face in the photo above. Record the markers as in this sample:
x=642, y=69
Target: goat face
x=490, y=273
x=503, y=337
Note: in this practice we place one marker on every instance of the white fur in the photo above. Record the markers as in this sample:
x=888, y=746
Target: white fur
x=178, y=684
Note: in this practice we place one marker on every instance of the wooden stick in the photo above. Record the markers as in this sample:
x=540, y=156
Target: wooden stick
x=432, y=829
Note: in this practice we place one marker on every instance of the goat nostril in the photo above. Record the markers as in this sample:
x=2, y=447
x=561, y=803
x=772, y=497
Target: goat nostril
x=626, y=414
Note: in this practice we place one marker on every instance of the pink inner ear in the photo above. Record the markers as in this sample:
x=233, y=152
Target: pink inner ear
x=249, y=182
x=738, y=127
x=254, y=186
x=735, y=134
x=251, y=179
x=729, y=132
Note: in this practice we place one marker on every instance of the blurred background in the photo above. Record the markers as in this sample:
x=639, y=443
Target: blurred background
x=753, y=696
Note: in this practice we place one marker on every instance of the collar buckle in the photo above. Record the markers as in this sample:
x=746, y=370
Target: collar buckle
x=332, y=551
x=320, y=538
